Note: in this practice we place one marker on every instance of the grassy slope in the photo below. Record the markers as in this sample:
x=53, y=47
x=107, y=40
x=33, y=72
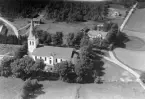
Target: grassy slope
x=113, y=72
x=134, y=59
x=59, y=90
x=112, y=91
x=52, y=27
x=9, y=88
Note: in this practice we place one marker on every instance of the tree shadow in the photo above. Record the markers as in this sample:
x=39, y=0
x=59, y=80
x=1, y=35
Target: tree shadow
x=36, y=93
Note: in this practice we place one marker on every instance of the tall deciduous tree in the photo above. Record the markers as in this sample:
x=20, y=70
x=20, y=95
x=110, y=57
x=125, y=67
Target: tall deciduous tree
x=69, y=39
x=111, y=36
x=85, y=41
x=21, y=68
x=5, y=68
x=86, y=68
x=21, y=51
x=66, y=71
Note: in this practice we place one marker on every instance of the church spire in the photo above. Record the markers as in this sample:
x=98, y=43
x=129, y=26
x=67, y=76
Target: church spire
x=31, y=35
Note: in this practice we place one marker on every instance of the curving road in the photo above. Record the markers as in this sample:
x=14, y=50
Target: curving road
x=11, y=25
x=113, y=59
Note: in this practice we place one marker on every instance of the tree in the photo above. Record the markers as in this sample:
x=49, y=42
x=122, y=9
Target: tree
x=142, y=77
x=23, y=50
x=88, y=67
x=29, y=88
x=21, y=68
x=48, y=39
x=5, y=68
x=54, y=39
x=66, y=71
x=37, y=70
x=42, y=35
x=84, y=66
x=85, y=41
x=121, y=39
x=111, y=36
x=69, y=39
x=59, y=38
x=77, y=38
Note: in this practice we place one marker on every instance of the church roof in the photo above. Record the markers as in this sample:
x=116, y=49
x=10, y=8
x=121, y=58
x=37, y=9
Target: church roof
x=59, y=52
x=136, y=21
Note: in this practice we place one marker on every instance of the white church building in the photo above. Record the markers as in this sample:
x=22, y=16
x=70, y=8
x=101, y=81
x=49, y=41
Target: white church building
x=50, y=54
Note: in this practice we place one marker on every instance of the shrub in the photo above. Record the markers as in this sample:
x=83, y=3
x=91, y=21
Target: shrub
x=65, y=71
x=142, y=77
x=5, y=68
x=29, y=88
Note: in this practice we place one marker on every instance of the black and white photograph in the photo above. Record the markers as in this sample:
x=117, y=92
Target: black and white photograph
x=72, y=49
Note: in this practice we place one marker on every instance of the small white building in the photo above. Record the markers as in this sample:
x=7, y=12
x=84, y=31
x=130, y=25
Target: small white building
x=97, y=34
x=50, y=54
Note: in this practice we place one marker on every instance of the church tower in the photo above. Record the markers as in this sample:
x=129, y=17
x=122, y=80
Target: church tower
x=32, y=40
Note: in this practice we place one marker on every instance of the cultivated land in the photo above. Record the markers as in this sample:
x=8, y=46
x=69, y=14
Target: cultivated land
x=10, y=89
x=53, y=27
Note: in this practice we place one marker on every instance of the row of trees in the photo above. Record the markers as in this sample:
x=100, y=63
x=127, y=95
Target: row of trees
x=12, y=39
x=59, y=39
x=60, y=10
x=113, y=37
x=23, y=68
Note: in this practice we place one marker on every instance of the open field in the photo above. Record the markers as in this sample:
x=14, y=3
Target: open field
x=53, y=27
x=114, y=90
x=135, y=43
x=114, y=73
x=134, y=59
x=10, y=89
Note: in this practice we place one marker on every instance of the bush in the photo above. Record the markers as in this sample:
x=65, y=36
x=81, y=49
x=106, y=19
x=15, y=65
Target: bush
x=65, y=70
x=5, y=68
x=142, y=77
x=29, y=88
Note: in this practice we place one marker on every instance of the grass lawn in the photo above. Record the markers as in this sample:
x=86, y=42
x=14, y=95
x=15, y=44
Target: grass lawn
x=58, y=90
x=135, y=43
x=134, y=59
x=114, y=90
x=53, y=27
x=10, y=87
x=113, y=73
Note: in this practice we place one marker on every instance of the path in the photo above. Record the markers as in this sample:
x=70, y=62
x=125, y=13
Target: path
x=113, y=59
x=128, y=16
x=11, y=25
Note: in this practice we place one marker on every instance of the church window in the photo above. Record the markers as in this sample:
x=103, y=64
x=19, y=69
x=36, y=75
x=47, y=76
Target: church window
x=32, y=43
x=50, y=61
x=56, y=60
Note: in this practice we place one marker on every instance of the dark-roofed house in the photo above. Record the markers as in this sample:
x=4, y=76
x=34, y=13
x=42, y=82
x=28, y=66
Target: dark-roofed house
x=50, y=54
